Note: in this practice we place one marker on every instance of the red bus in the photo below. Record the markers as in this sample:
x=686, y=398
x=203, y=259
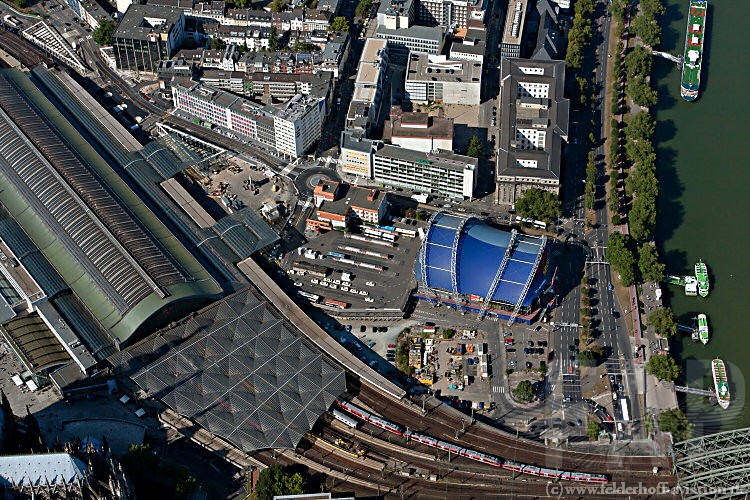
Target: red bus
x=336, y=303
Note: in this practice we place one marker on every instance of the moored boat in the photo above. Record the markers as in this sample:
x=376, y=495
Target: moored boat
x=701, y=274
x=693, y=55
x=721, y=382
x=703, y=328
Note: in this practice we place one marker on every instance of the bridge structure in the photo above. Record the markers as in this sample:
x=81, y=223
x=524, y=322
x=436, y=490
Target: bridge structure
x=693, y=390
x=666, y=55
x=714, y=466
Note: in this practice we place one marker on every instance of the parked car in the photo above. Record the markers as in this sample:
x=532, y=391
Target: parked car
x=391, y=345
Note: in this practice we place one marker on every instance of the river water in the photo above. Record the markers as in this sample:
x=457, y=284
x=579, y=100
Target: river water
x=704, y=178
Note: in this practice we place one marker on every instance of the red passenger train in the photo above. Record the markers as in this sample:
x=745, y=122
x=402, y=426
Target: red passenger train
x=510, y=465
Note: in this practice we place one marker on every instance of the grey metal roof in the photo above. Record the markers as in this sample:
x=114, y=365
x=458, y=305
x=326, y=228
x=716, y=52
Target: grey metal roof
x=40, y=469
x=31, y=258
x=238, y=370
x=122, y=260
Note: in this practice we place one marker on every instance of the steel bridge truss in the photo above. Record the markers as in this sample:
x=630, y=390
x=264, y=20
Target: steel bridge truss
x=498, y=274
x=423, y=251
x=715, y=466
x=454, y=254
x=527, y=286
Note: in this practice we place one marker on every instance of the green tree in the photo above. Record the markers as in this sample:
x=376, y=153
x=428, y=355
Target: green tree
x=103, y=33
x=587, y=358
x=539, y=204
x=339, y=24
x=21, y=4
x=363, y=8
x=662, y=319
x=216, y=44
x=448, y=333
x=647, y=29
x=273, y=40
x=648, y=264
x=642, y=217
x=638, y=62
x=583, y=89
x=621, y=257
x=475, y=147
x=524, y=391
x=593, y=430
x=663, y=367
x=275, y=480
x=140, y=460
x=674, y=421
x=640, y=126
x=277, y=5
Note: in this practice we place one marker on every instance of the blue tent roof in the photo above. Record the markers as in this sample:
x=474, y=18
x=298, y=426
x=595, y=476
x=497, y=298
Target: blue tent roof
x=480, y=250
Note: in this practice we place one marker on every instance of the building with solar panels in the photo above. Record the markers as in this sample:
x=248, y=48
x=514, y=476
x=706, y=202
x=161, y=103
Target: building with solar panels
x=470, y=265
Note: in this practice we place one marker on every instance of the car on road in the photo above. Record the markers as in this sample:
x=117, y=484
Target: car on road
x=537, y=328
x=610, y=287
x=572, y=358
x=577, y=342
x=570, y=424
x=575, y=364
x=578, y=422
x=571, y=348
x=620, y=387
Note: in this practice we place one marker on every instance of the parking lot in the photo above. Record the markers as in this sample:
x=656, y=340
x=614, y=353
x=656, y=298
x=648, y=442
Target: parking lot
x=384, y=284
x=527, y=353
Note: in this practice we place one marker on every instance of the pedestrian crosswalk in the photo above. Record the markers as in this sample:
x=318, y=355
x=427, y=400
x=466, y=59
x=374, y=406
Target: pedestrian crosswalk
x=498, y=389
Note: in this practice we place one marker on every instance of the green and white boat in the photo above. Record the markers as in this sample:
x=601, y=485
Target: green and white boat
x=693, y=56
x=703, y=328
x=701, y=274
x=721, y=382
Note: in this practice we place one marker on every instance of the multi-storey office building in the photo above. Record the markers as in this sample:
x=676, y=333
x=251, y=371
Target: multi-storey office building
x=440, y=172
x=437, y=79
x=534, y=122
x=146, y=35
x=290, y=128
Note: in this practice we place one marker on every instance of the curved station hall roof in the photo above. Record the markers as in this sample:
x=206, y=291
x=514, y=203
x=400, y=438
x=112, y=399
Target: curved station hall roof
x=118, y=258
x=463, y=255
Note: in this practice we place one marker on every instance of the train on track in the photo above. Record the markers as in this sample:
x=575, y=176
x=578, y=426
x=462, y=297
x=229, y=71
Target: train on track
x=510, y=465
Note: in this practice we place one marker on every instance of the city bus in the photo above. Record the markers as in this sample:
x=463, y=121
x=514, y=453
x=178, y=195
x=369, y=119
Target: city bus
x=336, y=303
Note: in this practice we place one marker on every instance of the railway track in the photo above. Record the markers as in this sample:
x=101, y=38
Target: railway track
x=27, y=54
x=490, y=440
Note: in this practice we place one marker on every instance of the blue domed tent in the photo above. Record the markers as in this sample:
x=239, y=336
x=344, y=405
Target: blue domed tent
x=463, y=256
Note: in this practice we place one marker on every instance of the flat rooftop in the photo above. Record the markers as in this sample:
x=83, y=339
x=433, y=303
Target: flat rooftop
x=443, y=159
x=438, y=68
x=143, y=21
x=515, y=21
x=370, y=63
x=419, y=125
x=353, y=196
